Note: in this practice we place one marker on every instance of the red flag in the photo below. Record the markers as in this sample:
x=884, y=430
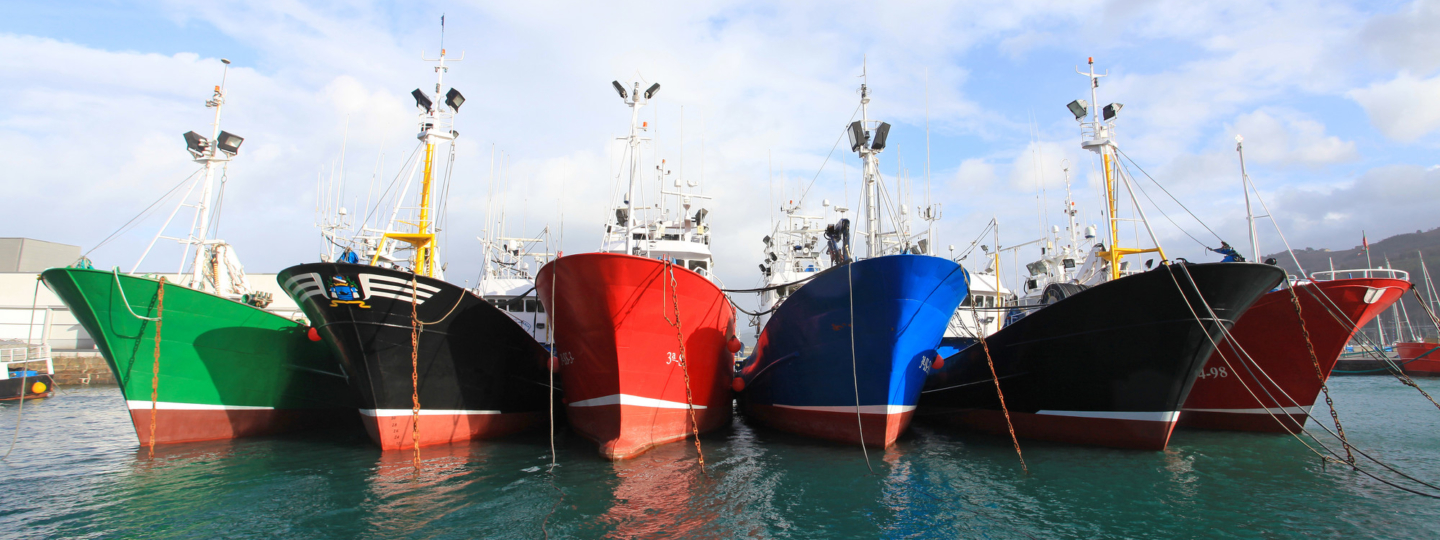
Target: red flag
x=1365, y=242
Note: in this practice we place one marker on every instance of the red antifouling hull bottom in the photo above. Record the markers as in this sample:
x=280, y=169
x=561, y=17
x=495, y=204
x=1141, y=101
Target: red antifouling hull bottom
x=876, y=429
x=395, y=430
x=1115, y=430
x=638, y=342
x=1270, y=383
x=190, y=425
x=626, y=431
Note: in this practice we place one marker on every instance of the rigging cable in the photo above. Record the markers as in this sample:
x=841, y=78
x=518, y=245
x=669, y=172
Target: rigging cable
x=1227, y=335
x=143, y=213
x=1167, y=192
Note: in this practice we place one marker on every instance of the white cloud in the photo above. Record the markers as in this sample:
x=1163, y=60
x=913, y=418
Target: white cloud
x=1406, y=39
x=1286, y=137
x=1404, y=108
x=768, y=79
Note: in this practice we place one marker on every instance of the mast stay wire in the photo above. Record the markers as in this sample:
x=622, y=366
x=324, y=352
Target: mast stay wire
x=380, y=201
x=142, y=215
x=1167, y=192
x=1329, y=303
x=1162, y=210
x=1235, y=345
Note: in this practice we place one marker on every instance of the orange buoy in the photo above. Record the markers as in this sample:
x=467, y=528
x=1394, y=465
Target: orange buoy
x=939, y=362
x=38, y=388
x=313, y=334
x=734, y=345
x=738, y=384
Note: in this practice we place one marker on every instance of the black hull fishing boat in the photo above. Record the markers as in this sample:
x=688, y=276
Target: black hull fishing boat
x=477, y=372
x=1110, y=365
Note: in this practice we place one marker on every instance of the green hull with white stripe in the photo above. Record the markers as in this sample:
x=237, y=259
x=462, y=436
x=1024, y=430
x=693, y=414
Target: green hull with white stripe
x=226, y=369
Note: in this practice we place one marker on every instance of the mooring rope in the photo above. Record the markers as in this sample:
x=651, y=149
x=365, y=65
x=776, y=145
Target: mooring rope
x=854, y=371
x=673, y=288
x=126, y=301
x=1319, y=373
x=25, y=369
x=1323, y=457
x=155, y=369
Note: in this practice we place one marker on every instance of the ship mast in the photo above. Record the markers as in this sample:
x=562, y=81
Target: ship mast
x=436, y=124
x=1101, y=141
x=1245, y=185
x=632, y=98
x=217, y=150
x=869, y=145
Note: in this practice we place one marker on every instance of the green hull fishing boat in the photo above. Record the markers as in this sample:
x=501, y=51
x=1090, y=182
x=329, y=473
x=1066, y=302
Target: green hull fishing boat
x=225, y=367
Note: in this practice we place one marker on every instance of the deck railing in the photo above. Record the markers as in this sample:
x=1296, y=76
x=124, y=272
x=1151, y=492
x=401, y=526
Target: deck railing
x=1331, y=275
x=21, y=357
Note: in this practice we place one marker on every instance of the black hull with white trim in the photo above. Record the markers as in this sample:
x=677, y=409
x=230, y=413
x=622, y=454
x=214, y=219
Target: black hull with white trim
x=1109, y=365
x=479, y=373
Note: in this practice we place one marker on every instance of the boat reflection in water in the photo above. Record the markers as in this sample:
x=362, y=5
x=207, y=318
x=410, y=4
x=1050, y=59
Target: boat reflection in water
x=661, y=495
x=405, y=499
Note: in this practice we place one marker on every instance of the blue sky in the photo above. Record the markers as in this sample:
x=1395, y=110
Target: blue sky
x=1337, y=102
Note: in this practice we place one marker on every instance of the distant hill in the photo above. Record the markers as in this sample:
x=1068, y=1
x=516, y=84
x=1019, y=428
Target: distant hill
x=1402, y=249
x=1404, y=252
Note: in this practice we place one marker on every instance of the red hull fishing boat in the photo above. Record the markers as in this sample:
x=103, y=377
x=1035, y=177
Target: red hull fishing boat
x=1268, y=376
x=644, y=340
x=1273, y=383
x=1419, y=358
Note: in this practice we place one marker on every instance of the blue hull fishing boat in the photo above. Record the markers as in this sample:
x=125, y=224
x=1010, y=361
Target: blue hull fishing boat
x=846, y=349
x=805, y=377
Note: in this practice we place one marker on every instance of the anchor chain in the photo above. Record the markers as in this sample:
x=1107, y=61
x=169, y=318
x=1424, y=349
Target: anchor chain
x=1003, y=408
x=673, y=288
x=1324, y=388
x=415, y=371
x=155, y=369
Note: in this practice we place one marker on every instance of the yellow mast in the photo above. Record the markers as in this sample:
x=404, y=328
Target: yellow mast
x=423, y=241
x=1116, y=252
x=435, y=125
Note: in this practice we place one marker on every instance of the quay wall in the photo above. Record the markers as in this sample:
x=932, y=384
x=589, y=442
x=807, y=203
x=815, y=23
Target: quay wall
x=82, y=369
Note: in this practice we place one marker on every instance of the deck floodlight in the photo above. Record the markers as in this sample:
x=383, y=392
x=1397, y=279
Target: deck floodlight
x=1111, y=110
x=1079, y=108
x=880, y=134
x=196, y=143
x=621, y=89
x=422, y=100
x=229, y=142
x=454, y=100
x=650, y=92
x=857, y=135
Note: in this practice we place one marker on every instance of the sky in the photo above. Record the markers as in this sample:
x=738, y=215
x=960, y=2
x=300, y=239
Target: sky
x=1338, y=103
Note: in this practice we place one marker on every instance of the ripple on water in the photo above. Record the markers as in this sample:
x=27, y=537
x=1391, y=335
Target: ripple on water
x=79, y=472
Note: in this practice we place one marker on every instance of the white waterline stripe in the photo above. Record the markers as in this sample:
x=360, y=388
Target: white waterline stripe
x=1155, y=416
x=864, y=409
x=423, y=412
x=1275, y=410
x=626, y=399
x=170, y=406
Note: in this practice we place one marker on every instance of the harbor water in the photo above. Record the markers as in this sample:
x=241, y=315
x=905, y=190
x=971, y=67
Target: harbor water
x=77, y=472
